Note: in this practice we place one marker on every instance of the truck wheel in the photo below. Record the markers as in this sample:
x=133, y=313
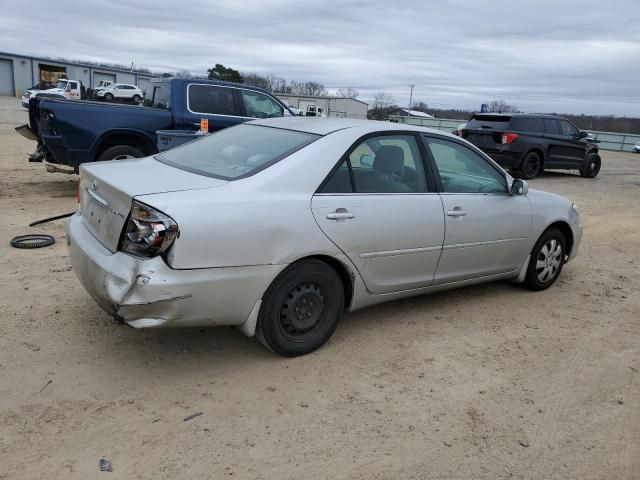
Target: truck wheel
x=108, y=97
x=591, y=166
x=120, y=152
x=531, y=166
x=136, y=99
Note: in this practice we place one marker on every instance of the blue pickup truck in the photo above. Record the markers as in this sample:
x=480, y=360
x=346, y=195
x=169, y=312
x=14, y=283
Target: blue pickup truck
x=71, y=132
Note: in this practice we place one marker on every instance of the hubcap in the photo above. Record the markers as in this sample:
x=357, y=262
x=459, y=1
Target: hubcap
x=122, y=157
x=549, y=260
x=302, y=309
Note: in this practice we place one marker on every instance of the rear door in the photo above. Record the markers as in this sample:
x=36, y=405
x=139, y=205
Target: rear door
x=486, y=227
x=383, y=212
x=219, y=104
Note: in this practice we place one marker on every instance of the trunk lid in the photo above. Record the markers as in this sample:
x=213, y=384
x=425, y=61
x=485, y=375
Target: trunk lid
x=107, y=189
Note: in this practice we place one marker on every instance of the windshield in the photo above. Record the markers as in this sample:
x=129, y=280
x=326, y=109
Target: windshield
x=62, y=84
x=236, y=152
x=158, y=95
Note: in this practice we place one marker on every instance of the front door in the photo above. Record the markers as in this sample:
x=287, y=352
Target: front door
x=486, y=227
x=566, y=147
x=377, y=207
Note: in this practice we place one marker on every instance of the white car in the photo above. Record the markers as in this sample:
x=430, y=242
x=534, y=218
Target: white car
x=636, y=148
x=279, y=226
x=119, y=91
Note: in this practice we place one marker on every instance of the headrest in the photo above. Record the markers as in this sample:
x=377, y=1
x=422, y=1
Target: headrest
x=389, y=159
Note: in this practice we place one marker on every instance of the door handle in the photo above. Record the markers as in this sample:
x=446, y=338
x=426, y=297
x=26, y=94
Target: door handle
x=340, y=215
x=456, y=212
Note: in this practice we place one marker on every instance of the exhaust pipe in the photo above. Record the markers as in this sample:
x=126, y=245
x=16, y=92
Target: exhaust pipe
x=54, y=169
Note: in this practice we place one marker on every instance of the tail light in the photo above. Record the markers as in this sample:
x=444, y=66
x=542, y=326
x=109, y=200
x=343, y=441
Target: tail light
x=509, y=138
x=149, y=232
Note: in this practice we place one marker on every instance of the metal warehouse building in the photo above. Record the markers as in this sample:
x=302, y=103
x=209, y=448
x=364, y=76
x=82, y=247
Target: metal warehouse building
x=332, y=106
x=20, y=72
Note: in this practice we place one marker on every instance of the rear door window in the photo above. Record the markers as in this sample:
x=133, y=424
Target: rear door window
x=551, y=126
x=211, y=99
x=493, y=122
x=159, y=95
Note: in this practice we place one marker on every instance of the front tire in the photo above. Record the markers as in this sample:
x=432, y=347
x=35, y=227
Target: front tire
x=108, y=97
x=591, y=166
x=531, y=166
x=120, y=152
x=301, y=309
x=547, y=260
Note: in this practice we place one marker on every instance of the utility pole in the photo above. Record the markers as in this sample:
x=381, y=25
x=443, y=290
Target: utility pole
x=411, y=95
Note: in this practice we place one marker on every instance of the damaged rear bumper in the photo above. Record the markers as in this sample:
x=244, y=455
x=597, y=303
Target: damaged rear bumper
x=147, y=293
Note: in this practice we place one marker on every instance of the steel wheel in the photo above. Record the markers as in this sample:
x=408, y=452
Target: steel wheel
x=301, y=311
x=549, y=261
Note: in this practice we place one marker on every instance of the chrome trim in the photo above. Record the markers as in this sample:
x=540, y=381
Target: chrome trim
x=233, y=88
x=483, y=244
x=397, y=253
x=101, y=201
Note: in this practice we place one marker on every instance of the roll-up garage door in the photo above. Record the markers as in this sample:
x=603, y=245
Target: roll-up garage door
x=6, y=77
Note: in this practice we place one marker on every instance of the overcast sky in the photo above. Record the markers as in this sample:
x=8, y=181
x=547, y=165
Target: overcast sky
x=547, y=56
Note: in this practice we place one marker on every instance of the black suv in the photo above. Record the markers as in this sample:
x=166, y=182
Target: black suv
x=530, y=143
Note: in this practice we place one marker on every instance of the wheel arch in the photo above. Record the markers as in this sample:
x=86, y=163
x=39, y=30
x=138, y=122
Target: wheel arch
x=538, y=149
x=131, y=138
x=565, y=228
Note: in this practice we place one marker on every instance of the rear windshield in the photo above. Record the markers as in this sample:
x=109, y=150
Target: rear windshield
x=236, y=152
x=158, y=95
x=494, y=122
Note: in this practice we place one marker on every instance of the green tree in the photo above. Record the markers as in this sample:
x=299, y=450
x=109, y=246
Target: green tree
x=228, y=74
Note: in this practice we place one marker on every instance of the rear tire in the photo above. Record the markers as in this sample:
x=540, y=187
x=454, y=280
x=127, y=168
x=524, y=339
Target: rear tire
x=547, y=260
x=531, y=166
x=120, y=152
x=136, y=99
x=591, y=166
x=301, y=309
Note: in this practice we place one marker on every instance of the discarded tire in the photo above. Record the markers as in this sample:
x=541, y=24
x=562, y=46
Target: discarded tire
x=32, y=241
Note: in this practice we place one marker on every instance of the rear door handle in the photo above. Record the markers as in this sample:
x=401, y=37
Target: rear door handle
x=340, y=215
x=456, y=212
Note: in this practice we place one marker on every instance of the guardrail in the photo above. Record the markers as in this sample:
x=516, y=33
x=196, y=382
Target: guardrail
x=620, y=142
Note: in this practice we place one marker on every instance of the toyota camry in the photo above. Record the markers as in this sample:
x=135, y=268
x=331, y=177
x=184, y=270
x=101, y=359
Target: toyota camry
x=280, y=226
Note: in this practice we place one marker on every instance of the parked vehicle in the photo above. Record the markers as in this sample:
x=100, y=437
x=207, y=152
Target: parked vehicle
x=69, y=89
x=530, y=143
x=279, y=226
x=314, y=111
x=119, y=91
x=636, y=148
x=71, y=133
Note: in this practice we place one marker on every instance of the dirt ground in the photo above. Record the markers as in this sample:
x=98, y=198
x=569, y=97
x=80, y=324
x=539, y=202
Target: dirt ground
x=487, y=382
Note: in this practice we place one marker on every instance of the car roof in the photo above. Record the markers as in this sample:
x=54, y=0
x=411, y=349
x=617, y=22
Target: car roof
x=520, y=115
x=325, y=126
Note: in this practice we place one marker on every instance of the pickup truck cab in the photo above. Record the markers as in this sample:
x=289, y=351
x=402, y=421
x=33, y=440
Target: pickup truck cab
x=72, y=133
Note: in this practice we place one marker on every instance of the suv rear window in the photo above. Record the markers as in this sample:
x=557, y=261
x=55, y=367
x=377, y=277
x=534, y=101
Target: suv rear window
x=494, y=122
x=236, y=152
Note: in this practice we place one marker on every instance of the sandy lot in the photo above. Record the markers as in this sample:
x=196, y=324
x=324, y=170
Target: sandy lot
x=485, y=382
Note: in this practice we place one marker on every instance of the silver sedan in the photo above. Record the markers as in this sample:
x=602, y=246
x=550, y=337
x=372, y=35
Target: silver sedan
x=280, y=226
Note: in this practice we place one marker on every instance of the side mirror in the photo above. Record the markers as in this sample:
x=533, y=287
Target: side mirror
x=366, y=160
x=519, y=187
x=68, y=89
x=583, y=134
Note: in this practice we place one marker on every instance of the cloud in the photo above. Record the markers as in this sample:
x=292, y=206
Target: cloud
x=572, y=56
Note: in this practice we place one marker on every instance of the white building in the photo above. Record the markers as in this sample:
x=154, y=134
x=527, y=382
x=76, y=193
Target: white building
x=20, y=72
x=331, y=106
